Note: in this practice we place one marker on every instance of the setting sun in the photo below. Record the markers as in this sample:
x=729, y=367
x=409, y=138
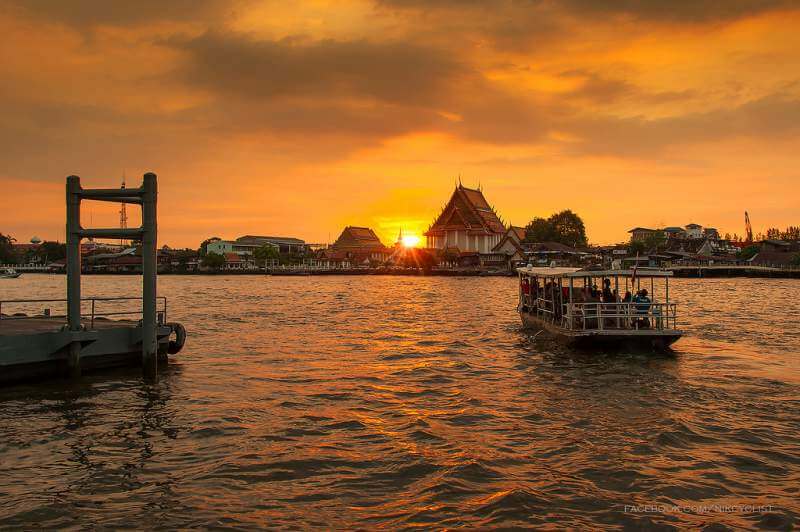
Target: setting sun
x=410, y=241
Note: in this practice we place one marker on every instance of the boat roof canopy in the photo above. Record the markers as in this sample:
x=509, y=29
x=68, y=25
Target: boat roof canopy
x=579, y=272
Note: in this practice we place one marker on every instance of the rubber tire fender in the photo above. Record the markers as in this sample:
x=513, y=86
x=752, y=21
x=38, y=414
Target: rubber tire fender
x=176, y=345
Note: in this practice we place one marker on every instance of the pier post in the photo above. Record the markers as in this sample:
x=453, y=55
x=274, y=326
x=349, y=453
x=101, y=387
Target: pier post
x=74, y=270
x=149, y=235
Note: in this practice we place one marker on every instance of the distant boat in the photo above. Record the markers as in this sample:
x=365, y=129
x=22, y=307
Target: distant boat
x=9, y=273
x=569, y=304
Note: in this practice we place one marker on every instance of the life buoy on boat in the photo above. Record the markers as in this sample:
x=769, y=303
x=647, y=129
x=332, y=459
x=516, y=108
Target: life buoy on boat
x=176, y=345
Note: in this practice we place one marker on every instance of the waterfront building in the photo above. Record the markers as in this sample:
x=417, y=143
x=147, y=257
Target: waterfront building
x=284, y=244
x=639, y=234
x=466, y=222
x=245, y=246
x=510, y=249
x=694, y=231
x=360, y=245
x=546, y=253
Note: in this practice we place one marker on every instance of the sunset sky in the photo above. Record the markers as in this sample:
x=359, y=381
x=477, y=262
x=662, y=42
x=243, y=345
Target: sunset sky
x=297, y=118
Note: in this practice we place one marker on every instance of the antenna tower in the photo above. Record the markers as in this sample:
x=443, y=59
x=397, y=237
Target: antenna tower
x=748, y=229
x=123, y=215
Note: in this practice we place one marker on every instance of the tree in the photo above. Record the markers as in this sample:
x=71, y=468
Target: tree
x=51, y=251
x=565, y=227
x=418, y=258
x=7, y=249
x=637, y=247
x=212, y=260
x=265, y=253
x=748, y=253
x=539, y=230
x=204, y=245
x=568, y=228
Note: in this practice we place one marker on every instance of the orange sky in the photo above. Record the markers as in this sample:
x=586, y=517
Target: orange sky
x=297, y=118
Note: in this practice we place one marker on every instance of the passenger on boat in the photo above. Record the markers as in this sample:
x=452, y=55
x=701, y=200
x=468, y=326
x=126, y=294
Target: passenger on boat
x=642, y=303
x=525, y=286
x=626, y=309
x=595, y=292
x=608, y=296
x=610, y=303
x=591, y=295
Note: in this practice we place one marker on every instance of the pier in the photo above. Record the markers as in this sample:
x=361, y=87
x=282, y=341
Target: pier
x=734, y=270
x=86, y=337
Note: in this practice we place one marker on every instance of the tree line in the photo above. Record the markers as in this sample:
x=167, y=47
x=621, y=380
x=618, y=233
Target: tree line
x=44, y=252
x=564, y=227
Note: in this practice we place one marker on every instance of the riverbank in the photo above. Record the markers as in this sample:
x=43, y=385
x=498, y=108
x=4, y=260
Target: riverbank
x=693, y=272
x=303, y=273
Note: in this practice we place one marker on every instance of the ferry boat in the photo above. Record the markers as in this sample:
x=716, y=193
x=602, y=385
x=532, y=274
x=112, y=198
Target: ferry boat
x=9, y=273
x=599, y=308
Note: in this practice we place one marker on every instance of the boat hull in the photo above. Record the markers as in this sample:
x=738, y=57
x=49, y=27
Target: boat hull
x=636, y=340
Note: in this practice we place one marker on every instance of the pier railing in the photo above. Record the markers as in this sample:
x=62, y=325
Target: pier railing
x=93, y=308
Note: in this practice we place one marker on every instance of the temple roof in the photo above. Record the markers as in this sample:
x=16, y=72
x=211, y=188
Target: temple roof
x=518, y=231
x=357, y=237
x=467, y=209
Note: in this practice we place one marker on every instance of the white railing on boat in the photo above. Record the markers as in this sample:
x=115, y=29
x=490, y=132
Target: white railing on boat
x=606, y=316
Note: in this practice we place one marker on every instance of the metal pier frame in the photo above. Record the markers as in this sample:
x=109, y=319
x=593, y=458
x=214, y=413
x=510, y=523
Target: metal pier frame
x=146, y=196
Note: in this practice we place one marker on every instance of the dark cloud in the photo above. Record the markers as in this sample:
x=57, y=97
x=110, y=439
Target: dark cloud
x=539, y=25
x=88, y=13
x=394, y=72
x=689, y=11
x=774, y=117
x=311, y=121
x=599, y=89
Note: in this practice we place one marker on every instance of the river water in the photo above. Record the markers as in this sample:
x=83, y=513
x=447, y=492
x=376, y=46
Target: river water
x=403, y=402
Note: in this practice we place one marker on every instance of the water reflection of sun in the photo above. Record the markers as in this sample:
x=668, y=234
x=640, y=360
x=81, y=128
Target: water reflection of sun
x=410, y=241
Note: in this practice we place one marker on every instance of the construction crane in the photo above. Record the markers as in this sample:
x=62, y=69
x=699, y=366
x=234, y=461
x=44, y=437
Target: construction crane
x=748, y=229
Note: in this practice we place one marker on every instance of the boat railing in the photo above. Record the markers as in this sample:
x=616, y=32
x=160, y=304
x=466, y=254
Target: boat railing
x=93, y=310
x=605, y=316
x=615, y=316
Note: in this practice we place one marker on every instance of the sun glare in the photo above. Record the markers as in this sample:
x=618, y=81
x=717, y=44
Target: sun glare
x=410, y=241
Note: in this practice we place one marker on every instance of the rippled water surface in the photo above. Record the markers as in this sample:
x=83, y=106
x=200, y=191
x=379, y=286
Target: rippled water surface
x=401, y=402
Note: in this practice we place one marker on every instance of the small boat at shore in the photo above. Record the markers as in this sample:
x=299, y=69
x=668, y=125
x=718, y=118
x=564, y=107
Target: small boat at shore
x=9, y=273
x=584, y=308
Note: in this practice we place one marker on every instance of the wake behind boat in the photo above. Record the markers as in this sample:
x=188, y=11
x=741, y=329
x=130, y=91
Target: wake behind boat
x=569, y=304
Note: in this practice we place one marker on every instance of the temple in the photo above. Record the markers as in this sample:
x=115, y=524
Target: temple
x=357, y=246
x=467, y=222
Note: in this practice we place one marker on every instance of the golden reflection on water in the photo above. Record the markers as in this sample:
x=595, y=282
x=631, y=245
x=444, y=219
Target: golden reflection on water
x=398, y=402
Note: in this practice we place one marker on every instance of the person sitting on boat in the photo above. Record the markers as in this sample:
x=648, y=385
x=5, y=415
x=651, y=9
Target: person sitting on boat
x=608, y=296
x=591, y=298
x=626, y=309
x=525, y=287
x=610, y=300
x=642, y=303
